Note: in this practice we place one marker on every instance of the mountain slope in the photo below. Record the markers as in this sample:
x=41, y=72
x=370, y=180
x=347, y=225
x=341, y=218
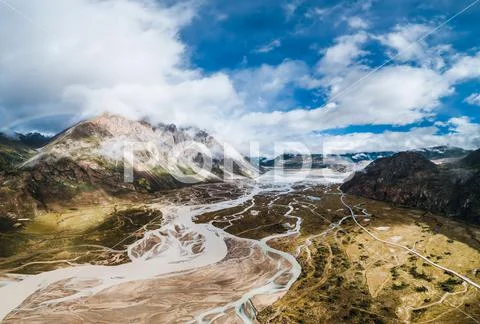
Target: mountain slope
x=471, y=161
x=98, y=152
x=113, y=156
x=12, y=153
x=410, y=179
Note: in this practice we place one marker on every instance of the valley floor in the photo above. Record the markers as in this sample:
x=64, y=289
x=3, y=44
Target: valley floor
x=301, y=253
x=350, y=276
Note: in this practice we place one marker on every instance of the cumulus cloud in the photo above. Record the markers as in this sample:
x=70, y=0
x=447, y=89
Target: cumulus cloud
x=462, y=133
x=465, y=68
x=405, y=42
x=269, y=87
x=397, y=95
x=190, y=102
x=86, y=57
x=360, y=95
x=400, y=94
x=346, y=50
x=409, y=43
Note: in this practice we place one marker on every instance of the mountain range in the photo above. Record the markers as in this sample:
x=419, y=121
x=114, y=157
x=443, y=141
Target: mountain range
x=90, y=159
x=294, y=161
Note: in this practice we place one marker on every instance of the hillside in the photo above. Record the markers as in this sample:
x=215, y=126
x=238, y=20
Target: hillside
x=12, y=153
x=95, y=156
x=412, y=180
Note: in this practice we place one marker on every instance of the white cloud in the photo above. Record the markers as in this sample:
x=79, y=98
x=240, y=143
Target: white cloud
x=358, y=95
x=199, y=102
x=356, y=22
x=396, y=95
x=269, y=47
x=463, y=133
x=399, y=94
x=465, y=68
x=463, y=125
x=126, y=57
x=270, y=87
x=406, y=43
x=346, y=50
x=85, y=57
x=409, y=44
x=101, y=43
x=473, y=99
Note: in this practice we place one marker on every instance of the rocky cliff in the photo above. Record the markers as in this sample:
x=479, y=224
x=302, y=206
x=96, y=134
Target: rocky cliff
x=410, y=179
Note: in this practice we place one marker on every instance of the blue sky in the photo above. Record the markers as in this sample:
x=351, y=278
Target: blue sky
x=262, y=71
x=230, y=36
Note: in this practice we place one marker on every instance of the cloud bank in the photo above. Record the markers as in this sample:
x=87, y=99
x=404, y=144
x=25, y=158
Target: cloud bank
x=84, y=57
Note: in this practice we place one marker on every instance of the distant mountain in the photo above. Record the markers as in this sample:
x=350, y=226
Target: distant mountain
x=443, y=152
x=33, y=140
x=93, y=155
x=12, y=153
x=365, y=156
x=294, y=161
x=410, y=179
x=16, y=149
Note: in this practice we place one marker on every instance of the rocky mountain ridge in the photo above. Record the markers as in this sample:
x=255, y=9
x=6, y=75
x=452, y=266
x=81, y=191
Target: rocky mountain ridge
x=95, y=156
